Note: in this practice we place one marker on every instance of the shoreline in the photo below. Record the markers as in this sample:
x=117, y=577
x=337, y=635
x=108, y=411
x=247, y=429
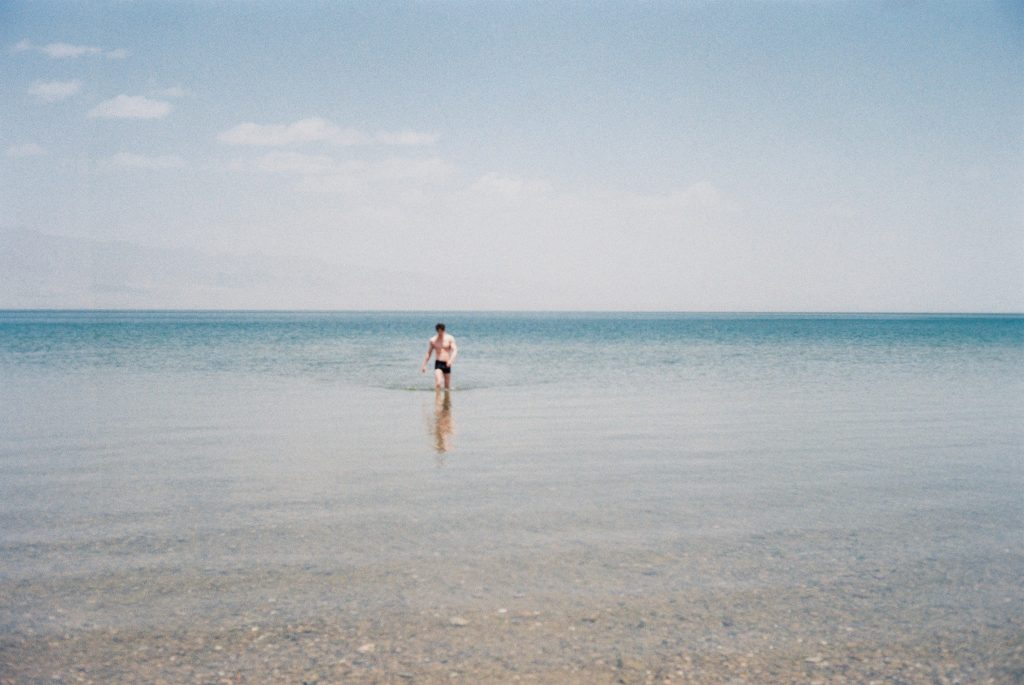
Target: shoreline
x=636, y=643
x=592, y=616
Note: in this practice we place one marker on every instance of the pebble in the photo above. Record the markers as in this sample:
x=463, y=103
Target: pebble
x=786, y=639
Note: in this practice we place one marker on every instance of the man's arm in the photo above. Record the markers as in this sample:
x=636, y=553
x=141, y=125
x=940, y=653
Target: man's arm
x=430, y=351
x=455, y=353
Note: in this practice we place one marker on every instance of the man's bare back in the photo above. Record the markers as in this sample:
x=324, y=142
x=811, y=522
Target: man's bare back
x=443, y=347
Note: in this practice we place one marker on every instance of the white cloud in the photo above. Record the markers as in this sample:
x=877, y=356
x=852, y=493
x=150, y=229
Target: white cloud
x=326, y=174
x=358, y=177
x=317, y=130
x=130, y=107
x=424, y=171
x=696, y=202
x=406, y=137
x=335, y=184
x=65, y=50
x=68, y=51
x=25, y=150
x=509, y=187
x=314, y=129
x=55, y=91
x=296, y=163
x=128, y=160
x=703, y=195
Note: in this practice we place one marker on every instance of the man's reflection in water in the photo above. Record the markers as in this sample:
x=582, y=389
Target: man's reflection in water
x=443, y=426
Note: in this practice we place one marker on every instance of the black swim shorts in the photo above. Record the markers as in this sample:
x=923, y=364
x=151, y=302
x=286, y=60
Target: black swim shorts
x=443, y=366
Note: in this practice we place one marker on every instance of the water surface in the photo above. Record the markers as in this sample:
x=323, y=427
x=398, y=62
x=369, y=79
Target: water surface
x=737, y=484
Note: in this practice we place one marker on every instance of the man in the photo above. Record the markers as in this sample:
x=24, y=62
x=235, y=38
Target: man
x=442, y=345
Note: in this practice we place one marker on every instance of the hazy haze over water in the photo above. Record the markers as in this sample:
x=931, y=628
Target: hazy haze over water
x=541, y=156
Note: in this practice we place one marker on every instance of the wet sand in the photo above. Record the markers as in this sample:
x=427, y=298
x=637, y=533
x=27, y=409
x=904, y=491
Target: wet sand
x=716, y=612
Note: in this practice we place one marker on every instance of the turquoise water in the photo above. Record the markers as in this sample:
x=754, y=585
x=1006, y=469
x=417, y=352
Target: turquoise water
x=150, y=447
x=374, y=349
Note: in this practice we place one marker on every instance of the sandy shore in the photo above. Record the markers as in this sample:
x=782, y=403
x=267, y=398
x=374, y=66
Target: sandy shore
x=632, y=618
x=618, y=644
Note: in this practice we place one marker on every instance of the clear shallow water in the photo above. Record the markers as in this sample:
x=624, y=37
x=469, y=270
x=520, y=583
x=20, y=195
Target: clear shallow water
x=725, y=453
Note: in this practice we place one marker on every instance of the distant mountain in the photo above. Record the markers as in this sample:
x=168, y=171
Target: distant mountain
x=39, y=270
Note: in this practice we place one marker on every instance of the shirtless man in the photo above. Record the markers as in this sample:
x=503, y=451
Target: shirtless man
x=444, y=346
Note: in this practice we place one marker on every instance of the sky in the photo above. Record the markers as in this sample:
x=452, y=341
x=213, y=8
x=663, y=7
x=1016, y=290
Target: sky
x=681, y=156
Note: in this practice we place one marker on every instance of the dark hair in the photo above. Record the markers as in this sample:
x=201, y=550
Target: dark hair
x=439, y=327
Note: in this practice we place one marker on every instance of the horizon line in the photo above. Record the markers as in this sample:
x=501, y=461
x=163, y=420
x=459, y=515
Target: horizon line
x=774, y=312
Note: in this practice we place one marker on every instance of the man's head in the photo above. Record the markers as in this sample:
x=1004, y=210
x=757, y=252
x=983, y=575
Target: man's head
x=439, y=328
